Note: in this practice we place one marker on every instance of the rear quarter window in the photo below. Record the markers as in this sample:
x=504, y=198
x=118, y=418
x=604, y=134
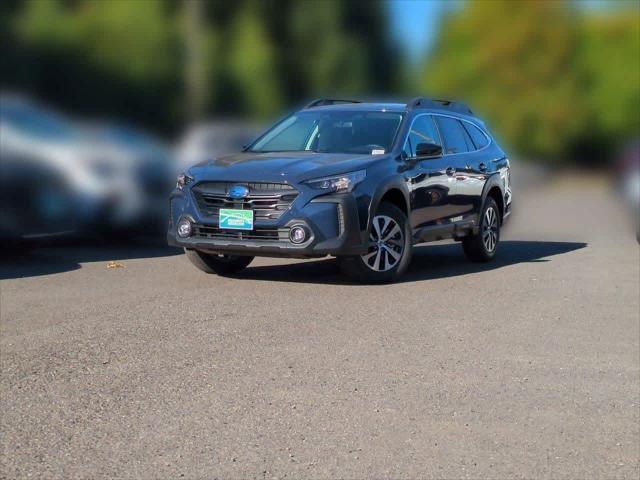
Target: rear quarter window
x=454, y=136
x=479, y=139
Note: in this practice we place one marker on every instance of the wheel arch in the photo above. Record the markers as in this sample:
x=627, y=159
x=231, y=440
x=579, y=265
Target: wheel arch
x=392, y=192
x=493, y=188
x=395, y=197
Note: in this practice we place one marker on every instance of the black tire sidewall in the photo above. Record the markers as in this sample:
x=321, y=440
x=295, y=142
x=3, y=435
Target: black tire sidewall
x=355, y=267
x=473, y=246
x=210, y=263
x=490, y=202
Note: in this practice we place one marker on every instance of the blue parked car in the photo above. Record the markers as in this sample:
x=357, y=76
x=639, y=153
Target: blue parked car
x=363, y=182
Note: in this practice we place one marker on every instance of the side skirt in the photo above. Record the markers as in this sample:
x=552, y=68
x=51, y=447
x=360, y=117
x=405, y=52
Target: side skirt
x=457, y=231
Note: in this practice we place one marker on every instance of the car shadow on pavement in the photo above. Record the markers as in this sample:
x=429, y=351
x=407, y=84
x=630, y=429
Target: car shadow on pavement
x=68, y=255
x=429, y=262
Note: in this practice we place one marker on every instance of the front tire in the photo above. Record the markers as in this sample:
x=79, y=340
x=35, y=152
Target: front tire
x=390, y=248
x=483, y=246
x=219, y=264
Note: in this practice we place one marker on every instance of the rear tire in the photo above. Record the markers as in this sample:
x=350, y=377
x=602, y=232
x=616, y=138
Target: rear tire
x=390, y=248
x=219, y=264
x=483, y=246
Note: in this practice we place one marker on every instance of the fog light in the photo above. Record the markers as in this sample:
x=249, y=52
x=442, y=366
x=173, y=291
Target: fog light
x=184, y=228
x=297, y=234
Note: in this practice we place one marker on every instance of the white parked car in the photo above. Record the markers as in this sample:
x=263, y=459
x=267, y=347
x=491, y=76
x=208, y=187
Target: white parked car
x=117, y=178
x=213, y=139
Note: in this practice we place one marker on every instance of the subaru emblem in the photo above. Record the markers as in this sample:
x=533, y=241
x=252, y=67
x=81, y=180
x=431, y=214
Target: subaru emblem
x=238, y=191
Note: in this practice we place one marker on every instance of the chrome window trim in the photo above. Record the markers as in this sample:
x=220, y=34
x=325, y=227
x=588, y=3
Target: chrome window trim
x=490, y=140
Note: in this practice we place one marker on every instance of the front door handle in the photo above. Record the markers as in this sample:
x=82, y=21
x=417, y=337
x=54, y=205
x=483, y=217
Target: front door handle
x=451, y=171
x=482, y=167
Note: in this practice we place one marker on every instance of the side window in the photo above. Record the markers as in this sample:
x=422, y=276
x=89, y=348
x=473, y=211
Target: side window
x=454, y=135
x=479, y=138
x=423, y=130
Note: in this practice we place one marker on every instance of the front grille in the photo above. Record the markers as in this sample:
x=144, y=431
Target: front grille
x=268, y=200
x=264, y=234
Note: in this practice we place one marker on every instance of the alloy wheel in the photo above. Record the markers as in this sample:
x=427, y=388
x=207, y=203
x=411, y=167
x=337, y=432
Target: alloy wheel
x=490, y=229
x=386, y=244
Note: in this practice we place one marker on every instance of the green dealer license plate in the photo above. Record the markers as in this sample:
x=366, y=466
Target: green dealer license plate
x=235, y=219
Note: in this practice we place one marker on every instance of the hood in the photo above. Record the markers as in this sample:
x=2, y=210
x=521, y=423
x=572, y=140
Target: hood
x=280, y=167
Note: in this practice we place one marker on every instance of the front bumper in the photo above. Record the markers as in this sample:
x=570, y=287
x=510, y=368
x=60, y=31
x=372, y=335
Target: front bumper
x=332, y=222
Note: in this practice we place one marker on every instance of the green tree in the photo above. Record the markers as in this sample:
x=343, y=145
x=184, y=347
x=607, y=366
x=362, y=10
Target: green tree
x=252, y=64
x=610, y=57
x=341, y=48
x=330, y=59
x=137, y=60
x=515, y=62
x=116, y=57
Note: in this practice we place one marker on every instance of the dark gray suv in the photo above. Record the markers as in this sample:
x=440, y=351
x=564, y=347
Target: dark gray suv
x=363, y=182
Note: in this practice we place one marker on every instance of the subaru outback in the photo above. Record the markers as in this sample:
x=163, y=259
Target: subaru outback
x=363, y=182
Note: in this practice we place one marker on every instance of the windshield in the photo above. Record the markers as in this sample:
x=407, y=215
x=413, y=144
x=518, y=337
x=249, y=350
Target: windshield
x=332, y=132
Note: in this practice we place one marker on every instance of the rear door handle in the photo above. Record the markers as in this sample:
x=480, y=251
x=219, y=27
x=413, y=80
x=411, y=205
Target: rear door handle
x=451, y=171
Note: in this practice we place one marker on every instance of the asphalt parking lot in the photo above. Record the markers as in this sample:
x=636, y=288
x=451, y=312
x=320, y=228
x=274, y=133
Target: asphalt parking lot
x=525, y=367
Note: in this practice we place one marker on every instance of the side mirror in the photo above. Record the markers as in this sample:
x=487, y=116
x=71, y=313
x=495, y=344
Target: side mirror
x=428, y=150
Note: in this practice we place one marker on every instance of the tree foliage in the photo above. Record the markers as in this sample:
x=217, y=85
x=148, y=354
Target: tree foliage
x=609, y=56
x=513, y=61
x=127, y=57
x=553, y=81
x=537, y=74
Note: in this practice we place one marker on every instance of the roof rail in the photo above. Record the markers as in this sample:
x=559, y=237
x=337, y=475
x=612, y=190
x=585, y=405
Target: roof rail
x=329, y=101
x=423, y=102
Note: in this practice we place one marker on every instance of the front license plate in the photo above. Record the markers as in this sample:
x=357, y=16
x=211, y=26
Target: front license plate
x=235, y=219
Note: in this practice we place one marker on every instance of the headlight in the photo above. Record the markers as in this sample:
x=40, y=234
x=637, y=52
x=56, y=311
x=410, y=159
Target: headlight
x=183, y=179
x=338, y=183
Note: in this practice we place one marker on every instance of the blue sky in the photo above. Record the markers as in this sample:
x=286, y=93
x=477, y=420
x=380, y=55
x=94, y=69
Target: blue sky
x=414, y=23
